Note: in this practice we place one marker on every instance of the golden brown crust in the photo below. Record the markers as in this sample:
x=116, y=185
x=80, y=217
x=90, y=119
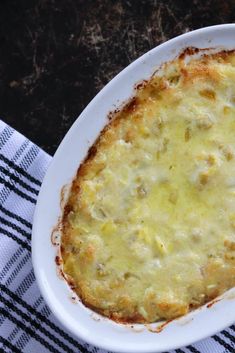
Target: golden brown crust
x=126, y=125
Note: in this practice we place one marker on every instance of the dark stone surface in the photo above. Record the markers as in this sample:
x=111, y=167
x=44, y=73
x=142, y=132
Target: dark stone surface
x=55, y=55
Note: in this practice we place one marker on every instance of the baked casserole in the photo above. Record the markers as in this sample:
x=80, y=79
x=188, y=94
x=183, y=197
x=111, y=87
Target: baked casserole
x=148, y=231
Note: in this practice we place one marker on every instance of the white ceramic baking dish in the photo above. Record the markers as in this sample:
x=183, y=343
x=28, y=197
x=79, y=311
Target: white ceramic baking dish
x=80, y=320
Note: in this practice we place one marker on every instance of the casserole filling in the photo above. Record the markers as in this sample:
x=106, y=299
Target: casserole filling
x=149, y=226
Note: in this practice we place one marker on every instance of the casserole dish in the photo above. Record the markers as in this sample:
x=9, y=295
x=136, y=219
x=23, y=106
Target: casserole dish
x=80, y=320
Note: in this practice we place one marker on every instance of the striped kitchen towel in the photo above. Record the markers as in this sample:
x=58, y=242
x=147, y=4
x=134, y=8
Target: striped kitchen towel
x=26, y=323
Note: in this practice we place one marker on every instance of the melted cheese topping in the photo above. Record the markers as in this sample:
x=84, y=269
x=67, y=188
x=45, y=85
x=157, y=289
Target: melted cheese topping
x=149, y=228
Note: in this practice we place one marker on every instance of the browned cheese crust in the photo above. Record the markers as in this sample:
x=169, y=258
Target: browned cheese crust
x=149, y=226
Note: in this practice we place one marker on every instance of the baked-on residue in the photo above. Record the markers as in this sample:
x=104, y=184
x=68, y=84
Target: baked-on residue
x=149, y=226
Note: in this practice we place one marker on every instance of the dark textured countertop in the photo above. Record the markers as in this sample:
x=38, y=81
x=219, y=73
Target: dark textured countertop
x=55, y=55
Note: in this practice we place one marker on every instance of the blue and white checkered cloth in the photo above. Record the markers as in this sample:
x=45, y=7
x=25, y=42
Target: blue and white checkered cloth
x=26, y=323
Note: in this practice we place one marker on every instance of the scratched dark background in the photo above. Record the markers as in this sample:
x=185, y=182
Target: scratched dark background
x=55, y=55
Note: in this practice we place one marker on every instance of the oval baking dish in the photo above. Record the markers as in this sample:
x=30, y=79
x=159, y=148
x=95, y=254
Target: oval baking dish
x=80, y=320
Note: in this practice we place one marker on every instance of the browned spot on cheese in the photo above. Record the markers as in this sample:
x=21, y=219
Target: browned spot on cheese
x=132, y=105
x=204, y=178
x=187, y=134
x=229, y=244
x=58, y=260
x=189, y=51
x=208, y=93
x=141, y=84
